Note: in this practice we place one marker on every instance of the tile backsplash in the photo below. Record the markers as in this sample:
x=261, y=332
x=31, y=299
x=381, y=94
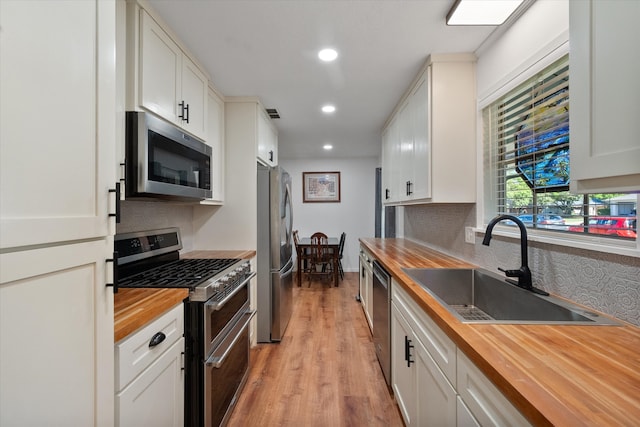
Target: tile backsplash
x=606, y=282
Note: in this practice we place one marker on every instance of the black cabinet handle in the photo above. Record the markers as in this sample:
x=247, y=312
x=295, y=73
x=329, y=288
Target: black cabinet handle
x=409, y=192
x=184, y=111
x=114, y=260
x=407, y=351
x=117, y=213
x=157, y=339
x=271, y=155
x=386, y=194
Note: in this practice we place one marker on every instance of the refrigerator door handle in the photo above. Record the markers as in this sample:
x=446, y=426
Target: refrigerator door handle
x=288, y=268
x=288, y=204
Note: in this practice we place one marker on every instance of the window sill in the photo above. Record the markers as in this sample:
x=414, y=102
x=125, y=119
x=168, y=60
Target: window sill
x=591, y=243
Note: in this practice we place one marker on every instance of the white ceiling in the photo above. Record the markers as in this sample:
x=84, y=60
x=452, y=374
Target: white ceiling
x=268, y=48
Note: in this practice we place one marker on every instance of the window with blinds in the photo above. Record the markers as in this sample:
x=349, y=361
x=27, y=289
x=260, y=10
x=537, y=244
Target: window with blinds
x=526, y=134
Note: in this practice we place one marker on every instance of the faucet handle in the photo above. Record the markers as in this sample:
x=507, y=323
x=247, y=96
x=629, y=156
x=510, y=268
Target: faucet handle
x=511, y=273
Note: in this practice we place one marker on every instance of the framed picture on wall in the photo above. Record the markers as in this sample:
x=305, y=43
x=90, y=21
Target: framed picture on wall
x=320, y=187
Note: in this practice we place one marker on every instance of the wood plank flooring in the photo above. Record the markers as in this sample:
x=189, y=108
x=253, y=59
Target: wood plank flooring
x=324, y=372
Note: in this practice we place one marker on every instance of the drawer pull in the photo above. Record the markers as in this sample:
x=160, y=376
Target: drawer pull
x=157, y=339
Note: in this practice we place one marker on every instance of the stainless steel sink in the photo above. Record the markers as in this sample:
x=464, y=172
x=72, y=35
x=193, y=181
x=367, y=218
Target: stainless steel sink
x=479, y=296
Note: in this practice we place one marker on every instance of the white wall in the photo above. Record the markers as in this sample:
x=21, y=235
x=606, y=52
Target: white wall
x=538, y=33
x=355, y=214
x=234, y=225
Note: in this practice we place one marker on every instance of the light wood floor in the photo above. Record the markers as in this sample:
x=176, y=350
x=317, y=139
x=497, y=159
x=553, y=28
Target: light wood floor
x=324, y=372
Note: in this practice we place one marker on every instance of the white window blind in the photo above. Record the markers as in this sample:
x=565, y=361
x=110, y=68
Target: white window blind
x=526, y=134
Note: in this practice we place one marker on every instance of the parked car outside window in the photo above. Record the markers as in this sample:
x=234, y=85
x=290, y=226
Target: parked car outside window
x=542, y=221
x=622, y=226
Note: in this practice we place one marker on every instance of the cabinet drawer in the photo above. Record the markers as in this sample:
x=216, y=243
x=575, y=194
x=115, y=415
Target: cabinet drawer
x=133, y=354
x=441, y=348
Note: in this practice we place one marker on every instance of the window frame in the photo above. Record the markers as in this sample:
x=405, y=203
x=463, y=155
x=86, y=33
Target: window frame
x=487, y=173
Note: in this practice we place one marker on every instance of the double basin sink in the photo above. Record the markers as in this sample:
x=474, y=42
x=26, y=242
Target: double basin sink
x=479, y=296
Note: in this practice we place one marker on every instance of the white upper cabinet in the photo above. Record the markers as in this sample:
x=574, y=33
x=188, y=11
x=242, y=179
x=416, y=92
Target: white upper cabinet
x=391, y=163
x=429, y=142
x=165, y=79
x=605, y=65
x=267, y=139
x=58, y=122
x=216, y=140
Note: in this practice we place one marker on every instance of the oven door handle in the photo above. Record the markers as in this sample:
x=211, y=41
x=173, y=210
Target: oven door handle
x=216, y=359
x=217, y=305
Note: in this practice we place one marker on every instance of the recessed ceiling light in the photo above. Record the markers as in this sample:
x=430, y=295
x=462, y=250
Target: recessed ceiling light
x=327, y=146
x=481, y=12
x=328, y=55
x=328, y=109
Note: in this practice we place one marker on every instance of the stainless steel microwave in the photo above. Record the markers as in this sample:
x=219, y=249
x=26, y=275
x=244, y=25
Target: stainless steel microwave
x=163, y=161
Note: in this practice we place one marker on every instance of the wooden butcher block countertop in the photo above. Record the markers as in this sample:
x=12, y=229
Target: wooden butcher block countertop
x=559, y=375
x=134, y=308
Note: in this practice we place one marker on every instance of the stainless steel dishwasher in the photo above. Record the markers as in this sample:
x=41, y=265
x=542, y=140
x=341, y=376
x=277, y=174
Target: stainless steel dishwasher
x=381, y=318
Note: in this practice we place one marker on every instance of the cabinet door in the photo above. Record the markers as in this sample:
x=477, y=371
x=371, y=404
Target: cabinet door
x=369, y=293
x=215, y=138
x=605, y=65
x=421, y=158
x=403, y=376
x=56, y=336
x=155, y=398
x=436, y=397
x=391, y=163
x=266, y=139
x=57, y=109
x=160, y=70
x=194, y=95
x=405, y=134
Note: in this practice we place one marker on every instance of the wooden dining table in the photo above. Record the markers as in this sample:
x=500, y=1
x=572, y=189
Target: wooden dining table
x=334, y=244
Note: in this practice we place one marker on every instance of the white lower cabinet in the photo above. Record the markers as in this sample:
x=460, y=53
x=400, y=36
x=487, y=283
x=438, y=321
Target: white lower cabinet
x=56, y=336
x=150, y=378
x=366, y=286
x=403, y=378
x=423, y=392
x=434, y=383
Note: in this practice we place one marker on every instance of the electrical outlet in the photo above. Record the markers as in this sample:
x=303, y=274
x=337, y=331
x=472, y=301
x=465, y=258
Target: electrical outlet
x=469, y=235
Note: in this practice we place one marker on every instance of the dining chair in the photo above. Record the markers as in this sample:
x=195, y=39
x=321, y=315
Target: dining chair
x=303, y=255
x=343, y=237
x=321, y=262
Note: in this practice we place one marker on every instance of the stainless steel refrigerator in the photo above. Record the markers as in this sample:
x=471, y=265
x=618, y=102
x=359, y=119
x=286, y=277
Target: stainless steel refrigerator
x=274, y=253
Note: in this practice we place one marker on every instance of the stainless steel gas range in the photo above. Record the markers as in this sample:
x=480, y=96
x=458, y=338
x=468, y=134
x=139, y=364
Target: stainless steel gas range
x=217, y=316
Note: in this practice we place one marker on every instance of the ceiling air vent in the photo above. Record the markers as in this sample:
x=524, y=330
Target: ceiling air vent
x=273, y=113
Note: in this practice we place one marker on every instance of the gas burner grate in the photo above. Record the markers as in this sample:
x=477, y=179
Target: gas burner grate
x=183, y=273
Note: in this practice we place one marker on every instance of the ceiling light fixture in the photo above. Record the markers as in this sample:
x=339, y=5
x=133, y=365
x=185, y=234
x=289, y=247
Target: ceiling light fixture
x=327, y=146
x=327, y=55
x=328, y=109
x=481, y=12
